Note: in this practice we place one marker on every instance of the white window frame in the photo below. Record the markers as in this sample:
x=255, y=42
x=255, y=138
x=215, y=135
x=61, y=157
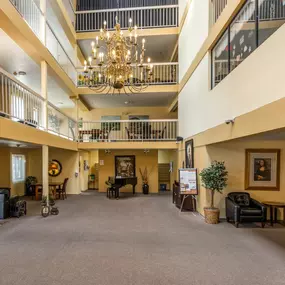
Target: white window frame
x=18, y=168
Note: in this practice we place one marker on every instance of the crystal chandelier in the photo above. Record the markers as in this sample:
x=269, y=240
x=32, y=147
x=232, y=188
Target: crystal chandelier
x=122, y=66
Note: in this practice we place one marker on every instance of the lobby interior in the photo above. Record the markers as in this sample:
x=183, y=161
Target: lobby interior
x=104, y=157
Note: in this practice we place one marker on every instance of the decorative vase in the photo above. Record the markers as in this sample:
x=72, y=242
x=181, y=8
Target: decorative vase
x=212, y=215
x=145, y=188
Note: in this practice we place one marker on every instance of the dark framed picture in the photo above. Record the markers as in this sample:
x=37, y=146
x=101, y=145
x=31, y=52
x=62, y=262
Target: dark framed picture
x=189, y=154
x=125, y=166
x=262, y=169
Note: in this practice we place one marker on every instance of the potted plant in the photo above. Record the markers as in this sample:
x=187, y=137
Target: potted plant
x=145, y=179
x=214, y=178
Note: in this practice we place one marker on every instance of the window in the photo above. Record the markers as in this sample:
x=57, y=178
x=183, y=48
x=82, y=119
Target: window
x=18, y=168
x=256, y=21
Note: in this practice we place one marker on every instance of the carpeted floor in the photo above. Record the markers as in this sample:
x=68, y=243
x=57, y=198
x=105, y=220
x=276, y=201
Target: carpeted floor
x=141, y=240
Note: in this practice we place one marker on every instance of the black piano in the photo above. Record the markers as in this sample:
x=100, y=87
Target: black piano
x=123, y=181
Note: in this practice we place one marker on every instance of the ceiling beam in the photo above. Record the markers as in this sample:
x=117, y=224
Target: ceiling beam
x=141, y=33
x=81, y=103
x=150, y=89
x=80, y=55
x=174, y=105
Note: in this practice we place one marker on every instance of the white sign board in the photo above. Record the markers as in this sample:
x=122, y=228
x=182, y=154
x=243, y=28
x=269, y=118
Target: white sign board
x=188, y=181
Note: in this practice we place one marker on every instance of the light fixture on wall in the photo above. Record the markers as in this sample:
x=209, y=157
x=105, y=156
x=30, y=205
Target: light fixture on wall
x=123, y=64
x=107, y=151
x=146, y=151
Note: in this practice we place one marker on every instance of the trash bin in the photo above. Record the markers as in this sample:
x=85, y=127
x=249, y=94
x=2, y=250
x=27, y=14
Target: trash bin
x=162, y=187
x=4, y=203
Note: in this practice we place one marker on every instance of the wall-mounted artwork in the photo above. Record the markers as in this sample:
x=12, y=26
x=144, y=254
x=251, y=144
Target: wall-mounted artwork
x=54, y=168
x=189, y=154
x=125, y=166
x=262, y=169
x=139, y=117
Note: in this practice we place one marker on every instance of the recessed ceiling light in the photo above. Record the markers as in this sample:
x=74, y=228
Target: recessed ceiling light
x=22, y=73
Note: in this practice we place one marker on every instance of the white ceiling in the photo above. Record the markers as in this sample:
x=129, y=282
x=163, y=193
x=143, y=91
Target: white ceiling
x=134, y=100
x=13, y=58
x=159, y=49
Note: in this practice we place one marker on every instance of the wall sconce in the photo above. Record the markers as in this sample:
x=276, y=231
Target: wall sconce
x=107, y=151
x=146, y=151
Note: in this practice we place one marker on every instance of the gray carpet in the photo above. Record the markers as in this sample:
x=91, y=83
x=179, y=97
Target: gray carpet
x=141, y=241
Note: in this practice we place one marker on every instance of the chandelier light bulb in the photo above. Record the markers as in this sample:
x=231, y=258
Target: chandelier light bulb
x=85, y=62
x=136, y=27
x=97, y=40
x=105, y=24
x=92, y=44
x=148, y=60
x=130, y=20
x=90, y=60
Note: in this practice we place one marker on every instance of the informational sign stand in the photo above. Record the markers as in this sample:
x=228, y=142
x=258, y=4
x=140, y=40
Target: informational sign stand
x=188, y=179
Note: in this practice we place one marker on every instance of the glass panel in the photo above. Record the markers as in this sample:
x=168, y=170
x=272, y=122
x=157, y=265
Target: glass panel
x=243, y=34
x=220, y=55
x=271, y=17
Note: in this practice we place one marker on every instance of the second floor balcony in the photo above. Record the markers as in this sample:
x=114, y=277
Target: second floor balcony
x=128, y=130
x=153, y=14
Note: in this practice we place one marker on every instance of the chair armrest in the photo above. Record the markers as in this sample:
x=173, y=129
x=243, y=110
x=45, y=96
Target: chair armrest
x=232, y=210
x=259, y=205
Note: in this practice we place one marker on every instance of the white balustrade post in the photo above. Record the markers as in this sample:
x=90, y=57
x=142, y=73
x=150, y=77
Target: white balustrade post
x=43, y=7
x=44, y=93
x=45, y=162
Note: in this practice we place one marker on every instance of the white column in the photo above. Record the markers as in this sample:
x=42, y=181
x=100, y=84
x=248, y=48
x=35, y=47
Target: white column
x=43, y=7
x=45, y=159
x=44, y=94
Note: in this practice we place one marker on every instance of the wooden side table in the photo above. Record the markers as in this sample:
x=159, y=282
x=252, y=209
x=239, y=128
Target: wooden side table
x=273, y=206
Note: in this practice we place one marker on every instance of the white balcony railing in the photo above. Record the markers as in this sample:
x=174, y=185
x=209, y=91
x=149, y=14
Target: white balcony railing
x=143, y=17
x=217, y=7
x=19, y=103
x=56, y=49
x=34, y=17
x=60, y=124
x=32, y=14
x=128, y=130
x=70, y=10
x=83, y=5
x=163, y=74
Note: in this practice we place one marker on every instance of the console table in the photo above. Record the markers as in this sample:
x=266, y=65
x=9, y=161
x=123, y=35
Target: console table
x=273, y=206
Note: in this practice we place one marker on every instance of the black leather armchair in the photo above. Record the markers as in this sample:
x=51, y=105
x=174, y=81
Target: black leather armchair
x=240, y=208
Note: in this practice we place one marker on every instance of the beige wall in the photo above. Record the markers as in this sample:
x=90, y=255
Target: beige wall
x=70, y=164
x=83, y=174
x=233, y=153
x=142, y=160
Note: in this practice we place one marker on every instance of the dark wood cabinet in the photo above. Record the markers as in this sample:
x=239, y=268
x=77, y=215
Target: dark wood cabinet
x=189, y=203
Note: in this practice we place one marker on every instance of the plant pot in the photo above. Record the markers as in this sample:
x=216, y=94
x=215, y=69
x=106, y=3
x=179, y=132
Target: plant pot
x=212, y=215
x=145, y=189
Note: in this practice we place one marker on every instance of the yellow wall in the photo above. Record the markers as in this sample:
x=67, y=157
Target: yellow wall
x=5, y=180
x=108, y=169
x=70, y=164
x=233, y=153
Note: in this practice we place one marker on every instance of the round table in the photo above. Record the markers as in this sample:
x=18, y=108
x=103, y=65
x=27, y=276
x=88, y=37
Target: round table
x=273, y=210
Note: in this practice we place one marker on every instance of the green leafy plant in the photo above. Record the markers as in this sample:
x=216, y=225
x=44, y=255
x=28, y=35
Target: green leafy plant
x=214, y=178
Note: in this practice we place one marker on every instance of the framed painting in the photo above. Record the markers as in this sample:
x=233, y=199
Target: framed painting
x=262, y=169
x=125, y=166
x=189, y=154
x=54, y=168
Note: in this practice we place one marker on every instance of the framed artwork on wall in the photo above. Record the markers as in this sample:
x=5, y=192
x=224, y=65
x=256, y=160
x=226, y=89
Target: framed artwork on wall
x=262, y=169
x=125, y=166
x=189, y=154
x=54, y=168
